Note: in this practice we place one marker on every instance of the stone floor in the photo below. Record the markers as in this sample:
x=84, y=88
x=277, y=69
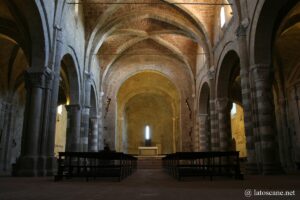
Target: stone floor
x=145, y=184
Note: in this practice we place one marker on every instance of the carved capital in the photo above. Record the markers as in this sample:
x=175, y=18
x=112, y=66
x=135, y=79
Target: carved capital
x=73, y=108
x=38, y=78
x=88, y=76
x=202, y=118
x=261, y=72
x=242, y=28
x=211, y=73
x=223, y=104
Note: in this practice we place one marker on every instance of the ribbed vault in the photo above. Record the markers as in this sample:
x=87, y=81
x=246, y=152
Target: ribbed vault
x=116, y=28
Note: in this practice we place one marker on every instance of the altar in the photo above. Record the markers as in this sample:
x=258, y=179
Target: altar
x=148, y=151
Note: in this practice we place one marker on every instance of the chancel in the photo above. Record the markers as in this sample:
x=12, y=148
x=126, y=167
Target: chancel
x=141, y=90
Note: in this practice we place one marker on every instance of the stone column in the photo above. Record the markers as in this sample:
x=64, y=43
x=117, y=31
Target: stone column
x=73, y=128
x=100, y=126
x=51, y=160
x=214, y=128
x=196, y=135
x=265, y=119
x=174, y=134
x=223, y=107
x=45, y=125
x=215, y=146
x=286, y=137
x=203, y=132
x=93, y=135
x=251, y=166
x=35, y=83
x=86, y=114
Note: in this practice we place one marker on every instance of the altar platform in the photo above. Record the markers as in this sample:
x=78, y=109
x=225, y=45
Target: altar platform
x=148, y=151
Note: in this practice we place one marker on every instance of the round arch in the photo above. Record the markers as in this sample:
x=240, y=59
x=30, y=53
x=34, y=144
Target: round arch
x=267, y=18
x=227, y=70
x=69, y=65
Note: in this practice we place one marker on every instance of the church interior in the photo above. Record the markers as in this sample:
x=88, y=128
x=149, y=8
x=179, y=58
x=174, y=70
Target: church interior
x=149, y=79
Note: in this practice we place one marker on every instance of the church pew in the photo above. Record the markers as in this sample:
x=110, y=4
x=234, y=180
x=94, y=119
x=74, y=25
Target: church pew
x=95, y=164
x=205, y=164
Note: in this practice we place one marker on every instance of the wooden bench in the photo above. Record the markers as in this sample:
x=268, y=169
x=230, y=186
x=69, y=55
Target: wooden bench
x=191, y=164
x=95, y=164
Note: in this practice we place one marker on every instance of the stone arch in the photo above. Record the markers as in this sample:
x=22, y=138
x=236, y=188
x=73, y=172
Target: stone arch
x=166, y=103
x=93, y=136
x=14, y=63
x=31, y=22
x=72, y=70
x=227, y=93
x=265, y=27
x=285, y=62
x=194, y=30
x=203, y=98
x=267, y=17
x=26, y=26
x=68, y=106
x=157, y=40
x=203, y=118
x=229, y=62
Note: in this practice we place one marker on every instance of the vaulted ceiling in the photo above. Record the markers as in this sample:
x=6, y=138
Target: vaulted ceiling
x=121, y=28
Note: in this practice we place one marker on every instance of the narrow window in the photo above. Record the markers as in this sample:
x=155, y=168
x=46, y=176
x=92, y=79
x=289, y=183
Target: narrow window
x=222, y=17
x=59, y=109
x=76, y=7
x=233, y=109
x=147, y=133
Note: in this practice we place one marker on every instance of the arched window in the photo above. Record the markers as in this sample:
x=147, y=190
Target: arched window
x=147, y=132
x=59, y=109
x=233, y=109
x=76, y=7
x=222, y=17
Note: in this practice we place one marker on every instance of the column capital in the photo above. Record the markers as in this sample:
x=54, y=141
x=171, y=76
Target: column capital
x=260, y=71
x=95, y=117
x=211, y=73
x=39, y=78
x=73, y=107
x=282, y=101
x=88, y=76
x=223, y=104
x=242, y=28
x=174, y=118
x=203, y=117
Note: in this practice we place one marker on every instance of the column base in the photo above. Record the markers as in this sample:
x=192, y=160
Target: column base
x=272, y=169
x=26, y=166
x=51, y=166
x=41, y=165
x=252, y=169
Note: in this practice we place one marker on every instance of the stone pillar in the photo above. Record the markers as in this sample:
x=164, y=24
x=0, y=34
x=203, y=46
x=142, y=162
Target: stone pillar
x=35, y=83
x=203, y=132
x=93, y=135
x=73, y=128
x=51, y=160
x=196, y=135
x=174, y=134
x=100, y=126
x=265, y=119
x=285, y=137
x=223, y=107
x=6, y=128
x=215, y=146
x=251, y=166
x=85, y=115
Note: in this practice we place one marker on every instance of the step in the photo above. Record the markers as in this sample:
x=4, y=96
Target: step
x=149, y=162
